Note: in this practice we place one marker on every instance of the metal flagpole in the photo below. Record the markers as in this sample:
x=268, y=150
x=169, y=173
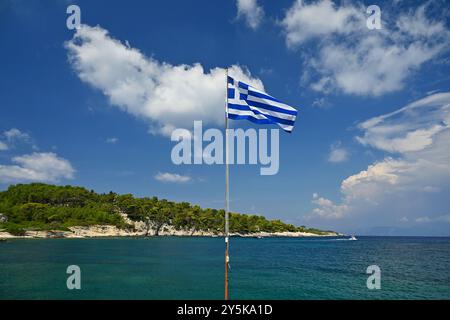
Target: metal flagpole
x=227, y=199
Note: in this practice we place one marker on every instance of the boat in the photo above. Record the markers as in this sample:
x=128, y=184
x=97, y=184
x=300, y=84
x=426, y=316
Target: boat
x=352, y=238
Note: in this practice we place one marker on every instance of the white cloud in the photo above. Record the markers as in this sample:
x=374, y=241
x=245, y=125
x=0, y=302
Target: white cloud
x=322, y=18
x=420, y=171
x=372, y=67
x=327, y=209
x=337, y=153
x=3, y=146
x=418, y=25
x=379, y=177
x=423, y=219
x=172, y=177
x=411, y=128
x=16, y=135
x=112, y=140
x=351, y=58
x=39, y=167
x=167, y=96
x=13, y=136
x=251, y=11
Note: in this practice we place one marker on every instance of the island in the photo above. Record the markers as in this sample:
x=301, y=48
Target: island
x=38, y=210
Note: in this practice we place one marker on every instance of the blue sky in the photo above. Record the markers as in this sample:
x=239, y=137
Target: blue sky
x=88, y=107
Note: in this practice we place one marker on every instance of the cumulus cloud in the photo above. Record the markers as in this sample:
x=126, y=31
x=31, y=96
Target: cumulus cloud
x=37, y=167
x=172, y=177
x=416, y=168
x=351, y=58
x=327, y=208
x=165, y=95
x=307, y=21
x=337, y=153
x=251, y=11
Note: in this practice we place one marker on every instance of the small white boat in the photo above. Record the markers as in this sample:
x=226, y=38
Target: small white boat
x=352, y=238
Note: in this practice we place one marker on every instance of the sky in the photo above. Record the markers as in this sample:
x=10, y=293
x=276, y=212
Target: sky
x=95, y=106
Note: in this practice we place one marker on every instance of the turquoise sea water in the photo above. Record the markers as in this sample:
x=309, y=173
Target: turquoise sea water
x=192, y=268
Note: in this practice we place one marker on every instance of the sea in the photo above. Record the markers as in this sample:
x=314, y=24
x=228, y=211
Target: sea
x=193, y=268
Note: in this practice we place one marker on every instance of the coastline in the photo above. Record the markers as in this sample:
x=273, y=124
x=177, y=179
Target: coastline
x=104, y=231
x=142, y=229
x=38, y=210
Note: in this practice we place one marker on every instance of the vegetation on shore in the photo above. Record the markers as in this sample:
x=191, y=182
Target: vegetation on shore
x=38, y=206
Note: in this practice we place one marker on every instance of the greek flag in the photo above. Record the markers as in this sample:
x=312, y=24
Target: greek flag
x=247, y=102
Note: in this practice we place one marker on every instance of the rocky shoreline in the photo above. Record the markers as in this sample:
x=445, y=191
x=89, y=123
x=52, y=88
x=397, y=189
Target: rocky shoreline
x=100, y=231
x=141, y=229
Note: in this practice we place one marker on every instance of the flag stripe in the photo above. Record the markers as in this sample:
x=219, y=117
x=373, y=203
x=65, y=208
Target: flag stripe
x=268, y=119
x=260, y=103
x=251, y=118
x=269, y=100
x=263, y=112
x=246, y=102
x=257, y=94
x=260, y=115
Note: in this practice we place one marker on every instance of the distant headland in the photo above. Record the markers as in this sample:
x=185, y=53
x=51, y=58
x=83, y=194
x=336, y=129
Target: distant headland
x=40, y=210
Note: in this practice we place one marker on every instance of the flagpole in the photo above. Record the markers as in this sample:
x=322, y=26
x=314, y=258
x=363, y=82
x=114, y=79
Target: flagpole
x=227, y=199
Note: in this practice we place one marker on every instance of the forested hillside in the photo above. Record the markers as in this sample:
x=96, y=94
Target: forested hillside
x=40, y=206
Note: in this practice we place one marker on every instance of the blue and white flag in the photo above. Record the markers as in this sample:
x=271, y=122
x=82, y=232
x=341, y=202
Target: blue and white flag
x=249, y=103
